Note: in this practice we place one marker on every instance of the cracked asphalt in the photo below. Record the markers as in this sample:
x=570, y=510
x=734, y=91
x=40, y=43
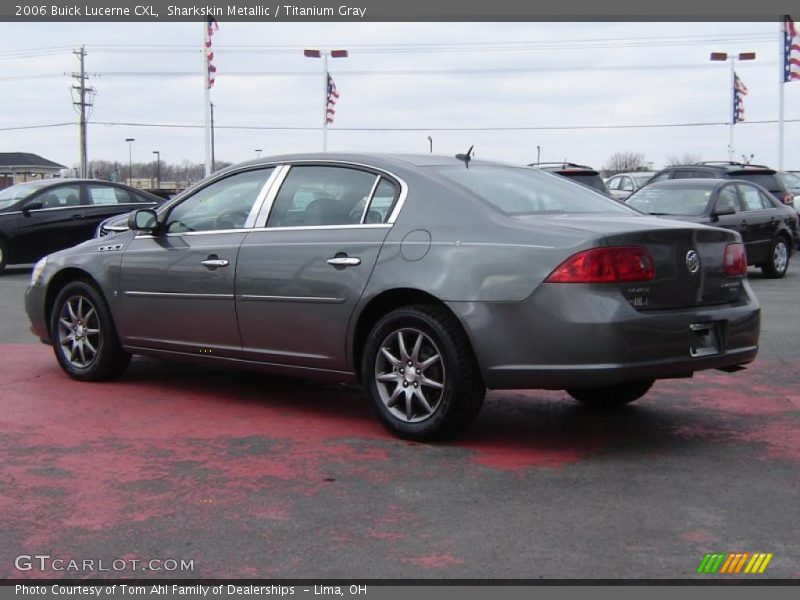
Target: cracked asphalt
x=252, y=476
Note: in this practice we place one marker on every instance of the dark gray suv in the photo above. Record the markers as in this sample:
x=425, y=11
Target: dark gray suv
x=427, y=279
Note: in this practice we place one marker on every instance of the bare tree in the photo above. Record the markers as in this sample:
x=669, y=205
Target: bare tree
x=687, y=158
x=624, y=162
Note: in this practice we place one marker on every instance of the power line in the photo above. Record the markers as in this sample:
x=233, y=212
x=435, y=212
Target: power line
x=395, y=72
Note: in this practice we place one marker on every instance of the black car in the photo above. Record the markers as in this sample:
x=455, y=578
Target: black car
x=768, y=228
x=580, y=173
x=41, y=217
x=759, y=174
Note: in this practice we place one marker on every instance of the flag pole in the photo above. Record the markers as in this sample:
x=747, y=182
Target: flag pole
x=206, y=100
x=733, y=110
x=781, y=78
x=324, y=101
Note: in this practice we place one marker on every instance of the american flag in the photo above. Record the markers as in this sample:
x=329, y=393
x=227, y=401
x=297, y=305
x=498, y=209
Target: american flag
x=791, y=51
x=739, y=92
x=333, y=96
x=211, y=27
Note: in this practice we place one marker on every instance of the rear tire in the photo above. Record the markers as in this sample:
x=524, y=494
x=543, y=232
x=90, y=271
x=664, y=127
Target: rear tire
x=420, y=374
x=83, y=333
x=3, y=255
x=615, y=395
x=778, y=261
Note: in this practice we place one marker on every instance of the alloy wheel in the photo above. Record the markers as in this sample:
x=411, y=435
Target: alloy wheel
x=780, y=257
x=79, y=332
x=410, y=375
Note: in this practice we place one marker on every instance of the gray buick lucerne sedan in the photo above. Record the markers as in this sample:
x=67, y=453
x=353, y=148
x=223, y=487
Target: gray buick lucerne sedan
x=428, y=279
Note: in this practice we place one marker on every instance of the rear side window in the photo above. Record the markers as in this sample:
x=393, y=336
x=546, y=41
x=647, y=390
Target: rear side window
x=728, y=198
x=106, y=194
x=521, y=191
x=691, y=174
x=590, y=180
x=317, y=195
x=661, y=176
x=753, y=198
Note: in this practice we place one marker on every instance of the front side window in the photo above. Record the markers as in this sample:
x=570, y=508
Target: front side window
x=60, y=197
x=613, y=183
x=520, y=191
x=727, y=199
x=225, y=204
x=321, y=195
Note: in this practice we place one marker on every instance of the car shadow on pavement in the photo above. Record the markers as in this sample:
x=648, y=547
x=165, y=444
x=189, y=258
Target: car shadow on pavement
x=516, y=429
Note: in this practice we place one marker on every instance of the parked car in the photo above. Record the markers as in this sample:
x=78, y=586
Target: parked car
x=582, y=174
x=792, y=183
x=40, y=217
x=423, y=279
x=758, y=174
x=768, y=228
x=622, y=185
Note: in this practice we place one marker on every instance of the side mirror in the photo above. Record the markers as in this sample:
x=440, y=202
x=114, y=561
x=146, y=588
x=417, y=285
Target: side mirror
x=35, y=205
x=723, y=211
x=145, y=220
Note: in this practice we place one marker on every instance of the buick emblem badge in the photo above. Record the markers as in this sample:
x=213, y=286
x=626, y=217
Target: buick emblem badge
x=692, y=261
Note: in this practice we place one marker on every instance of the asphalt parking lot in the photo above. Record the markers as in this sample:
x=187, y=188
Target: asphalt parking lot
x=252, y=476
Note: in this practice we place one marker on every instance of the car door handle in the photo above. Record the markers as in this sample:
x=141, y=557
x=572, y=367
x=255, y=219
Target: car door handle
x=76, y=217
x=344, y=261
x=213, y=263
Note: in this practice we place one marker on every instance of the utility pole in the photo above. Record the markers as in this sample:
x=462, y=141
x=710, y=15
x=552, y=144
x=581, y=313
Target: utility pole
x=82, y=104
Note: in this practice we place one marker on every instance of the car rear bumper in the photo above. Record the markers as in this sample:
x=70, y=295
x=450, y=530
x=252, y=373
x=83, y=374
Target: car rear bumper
x=575, y=335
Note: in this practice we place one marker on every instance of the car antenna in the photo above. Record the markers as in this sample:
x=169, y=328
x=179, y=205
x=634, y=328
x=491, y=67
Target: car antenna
x=466, y=157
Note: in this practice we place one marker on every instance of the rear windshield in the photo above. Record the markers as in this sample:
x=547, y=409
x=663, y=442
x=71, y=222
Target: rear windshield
x=767, y=180
x=523, y=191
x=590, y=180
x=658, y=200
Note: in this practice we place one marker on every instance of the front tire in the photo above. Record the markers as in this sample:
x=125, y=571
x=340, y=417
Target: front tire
x=615, y=395
x=84, y=337
x=778, y=261
x=420, y=374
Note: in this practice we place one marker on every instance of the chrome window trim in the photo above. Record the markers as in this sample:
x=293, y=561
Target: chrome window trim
x=38, y=210
x=261, y=222
x=269, y=199
x=368, y=203
x=324, y=227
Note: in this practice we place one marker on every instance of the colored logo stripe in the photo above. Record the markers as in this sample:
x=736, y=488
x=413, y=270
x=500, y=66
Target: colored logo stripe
x=733, y=563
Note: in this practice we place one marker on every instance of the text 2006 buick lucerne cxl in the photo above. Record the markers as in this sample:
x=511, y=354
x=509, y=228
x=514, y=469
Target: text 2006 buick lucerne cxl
x=428, y=279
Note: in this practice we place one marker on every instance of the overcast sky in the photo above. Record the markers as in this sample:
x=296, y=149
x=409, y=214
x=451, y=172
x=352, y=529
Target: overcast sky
x=607, y=83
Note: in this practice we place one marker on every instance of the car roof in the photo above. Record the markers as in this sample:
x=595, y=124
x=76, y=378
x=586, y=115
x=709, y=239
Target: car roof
x=634, y=174
x=727, y=167
x=379, y=160
x=564, y=167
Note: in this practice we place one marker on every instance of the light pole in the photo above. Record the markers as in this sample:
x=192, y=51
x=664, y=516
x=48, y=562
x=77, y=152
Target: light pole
x=430, y=143
x=538, y=154
x=130, y=159
x=314, y=53
x=158, y=169
x=258, y=152
x=723, y=57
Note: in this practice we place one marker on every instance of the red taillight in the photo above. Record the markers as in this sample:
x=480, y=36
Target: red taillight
x=735, y=264
x=605, y=265
x=788, y=199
